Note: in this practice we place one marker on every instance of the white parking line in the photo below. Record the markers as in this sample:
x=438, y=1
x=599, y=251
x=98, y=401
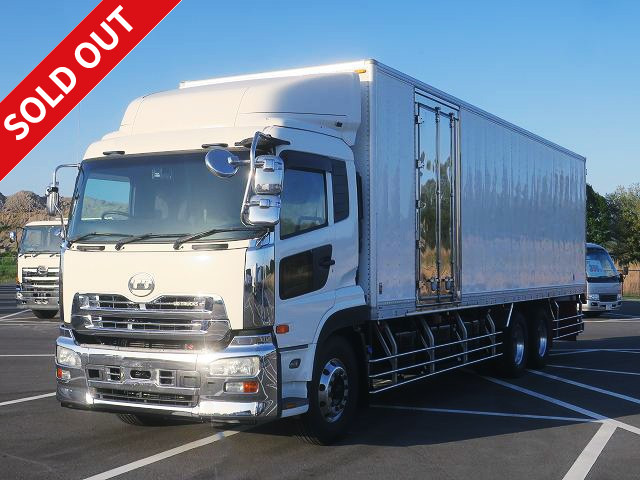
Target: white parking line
x=587, y=387
x=618, y=372
x=569, y=406
x=31, y=355
x=162, y=455
x=590, y=350
x=572, y=352
x=583, y=464
x=637, y=320
x=484, y=413
x=27, y=399
x=24, y=323
x=14, y=314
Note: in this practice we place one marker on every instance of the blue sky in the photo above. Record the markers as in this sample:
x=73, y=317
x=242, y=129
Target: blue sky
x=569, y=71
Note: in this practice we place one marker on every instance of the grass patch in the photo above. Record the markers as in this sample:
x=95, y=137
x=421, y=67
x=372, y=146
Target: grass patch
x=8, y=267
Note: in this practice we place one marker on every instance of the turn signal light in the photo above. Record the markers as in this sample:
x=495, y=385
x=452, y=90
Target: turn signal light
x=280, y=329
x=62, y=374
x=250, y=386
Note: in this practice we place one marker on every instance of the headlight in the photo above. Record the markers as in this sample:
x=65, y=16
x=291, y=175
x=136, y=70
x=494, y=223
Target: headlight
x=593, y=296
x=235, y=367
x=67, y=357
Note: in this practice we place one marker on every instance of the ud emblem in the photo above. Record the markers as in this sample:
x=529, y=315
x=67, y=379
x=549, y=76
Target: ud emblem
x=141, y=284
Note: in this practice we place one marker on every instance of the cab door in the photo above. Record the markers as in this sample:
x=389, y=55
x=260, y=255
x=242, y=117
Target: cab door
x=305, y=251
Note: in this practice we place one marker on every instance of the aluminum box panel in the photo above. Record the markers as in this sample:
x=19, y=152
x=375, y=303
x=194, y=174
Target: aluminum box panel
x=523, y=210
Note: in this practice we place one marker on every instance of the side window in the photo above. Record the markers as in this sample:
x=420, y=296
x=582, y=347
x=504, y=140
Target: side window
x=305, y=272
x=340, y=186
x=106, y=198
x=296, y=275
x=304, y=202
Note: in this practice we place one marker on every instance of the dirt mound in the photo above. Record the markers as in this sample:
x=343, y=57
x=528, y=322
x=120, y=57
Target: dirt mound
x=24, y=202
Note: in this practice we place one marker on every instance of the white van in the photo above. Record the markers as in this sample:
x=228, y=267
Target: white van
x=604, y=283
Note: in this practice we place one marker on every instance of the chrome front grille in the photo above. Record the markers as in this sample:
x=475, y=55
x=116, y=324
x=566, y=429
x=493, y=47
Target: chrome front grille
x=608, y=297
x=39, y=283
x=166, y=314
x=115, y=302
x=156, y=324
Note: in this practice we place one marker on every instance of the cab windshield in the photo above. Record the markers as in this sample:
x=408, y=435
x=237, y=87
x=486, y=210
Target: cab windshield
x=600, y=265
x=41, y=239
x=167, y=195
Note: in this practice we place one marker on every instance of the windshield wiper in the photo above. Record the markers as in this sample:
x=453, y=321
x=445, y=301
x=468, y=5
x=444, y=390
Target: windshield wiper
x=145, y=236
x=213, y=231
x=95, y=234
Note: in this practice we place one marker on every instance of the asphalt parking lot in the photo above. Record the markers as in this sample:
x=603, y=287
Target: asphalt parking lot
x=579, y=418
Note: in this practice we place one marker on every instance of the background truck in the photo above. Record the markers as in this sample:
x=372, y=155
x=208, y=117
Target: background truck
x=39, y=268
x=604, y=283
x=289, y=243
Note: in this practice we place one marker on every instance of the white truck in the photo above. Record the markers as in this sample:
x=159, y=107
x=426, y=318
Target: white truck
x=604, y=283
x=39, y=267
x=289, y=243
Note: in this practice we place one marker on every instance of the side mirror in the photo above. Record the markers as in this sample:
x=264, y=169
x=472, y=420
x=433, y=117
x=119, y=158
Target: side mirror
x=12, y=236
x=53, y=200
x=222, y=163
x=622, y=278
x=625, y=270
x=263, y=210
x=269, y=175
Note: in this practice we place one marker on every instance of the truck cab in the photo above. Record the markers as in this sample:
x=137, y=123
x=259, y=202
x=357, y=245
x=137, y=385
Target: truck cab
x=39, y=268
x=170, y=261
x=604, y=283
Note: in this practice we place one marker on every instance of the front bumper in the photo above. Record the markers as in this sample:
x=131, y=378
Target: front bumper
x=37, y=299
x=178, y=383
x=598, y=306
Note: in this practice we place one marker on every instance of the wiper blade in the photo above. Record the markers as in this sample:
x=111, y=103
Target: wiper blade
x=145, y=236
x=213, y=231
x=95, y=234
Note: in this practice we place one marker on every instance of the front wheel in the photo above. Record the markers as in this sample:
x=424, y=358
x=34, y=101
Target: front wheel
x=333, y=393
x=44, y=313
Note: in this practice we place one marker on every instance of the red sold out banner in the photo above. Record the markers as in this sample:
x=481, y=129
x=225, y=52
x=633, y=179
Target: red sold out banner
x=71, y=71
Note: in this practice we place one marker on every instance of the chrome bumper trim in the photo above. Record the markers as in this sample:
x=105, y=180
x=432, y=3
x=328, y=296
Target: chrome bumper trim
x=210, y=400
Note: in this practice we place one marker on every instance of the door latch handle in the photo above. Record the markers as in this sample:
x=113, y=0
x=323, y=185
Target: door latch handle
x=326, y=262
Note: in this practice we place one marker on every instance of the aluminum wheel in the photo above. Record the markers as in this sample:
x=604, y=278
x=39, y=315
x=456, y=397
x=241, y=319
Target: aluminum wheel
x=518, y=344
x=333, y=391
x=543, y=338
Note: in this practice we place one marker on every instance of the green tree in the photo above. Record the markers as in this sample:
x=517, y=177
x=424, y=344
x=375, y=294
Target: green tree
x=598, y=218
x=624, y=206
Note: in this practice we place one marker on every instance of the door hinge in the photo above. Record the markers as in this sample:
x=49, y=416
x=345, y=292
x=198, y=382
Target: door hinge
x=418, y=119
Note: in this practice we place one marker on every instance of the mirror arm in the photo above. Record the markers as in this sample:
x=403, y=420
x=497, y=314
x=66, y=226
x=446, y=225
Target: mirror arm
x=54, y=188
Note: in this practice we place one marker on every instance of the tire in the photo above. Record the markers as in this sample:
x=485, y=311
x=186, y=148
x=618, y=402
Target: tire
x=540, y=339
x=45, y=313
x=333, y=393
x=515, y=347
x=148, y=420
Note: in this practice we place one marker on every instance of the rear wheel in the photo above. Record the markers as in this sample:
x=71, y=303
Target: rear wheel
x=540, y=339
x=45, y=313
x=333, y=393
x=514, y=347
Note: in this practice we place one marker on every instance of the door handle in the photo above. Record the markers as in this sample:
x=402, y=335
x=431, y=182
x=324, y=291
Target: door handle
x=326, y=262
